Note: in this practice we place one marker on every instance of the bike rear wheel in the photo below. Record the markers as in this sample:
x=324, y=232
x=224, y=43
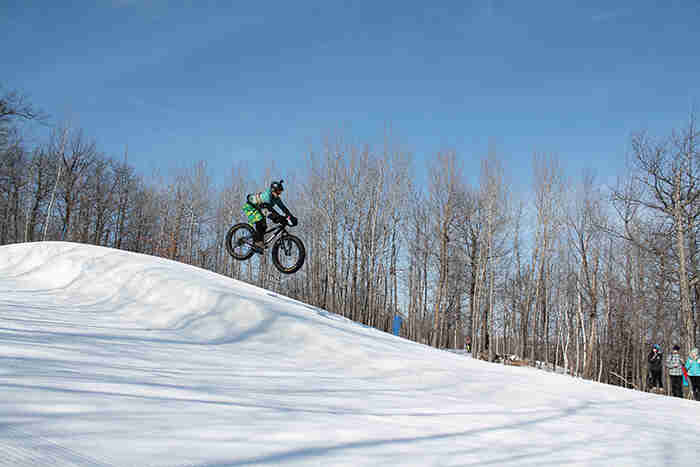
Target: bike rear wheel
x=288, y=254
x=239, y=241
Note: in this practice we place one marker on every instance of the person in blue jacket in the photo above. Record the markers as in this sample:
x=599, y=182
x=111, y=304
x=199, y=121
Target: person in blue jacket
x=261, y=205
x=692, y=365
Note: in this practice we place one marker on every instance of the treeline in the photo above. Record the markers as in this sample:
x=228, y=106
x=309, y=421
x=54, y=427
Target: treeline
x=579, y=275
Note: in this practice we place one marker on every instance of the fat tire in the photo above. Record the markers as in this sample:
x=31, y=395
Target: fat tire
x=229, y=238
x=276, y=251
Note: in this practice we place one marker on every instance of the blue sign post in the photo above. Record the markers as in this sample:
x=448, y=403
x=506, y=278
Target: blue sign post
x=397, y=324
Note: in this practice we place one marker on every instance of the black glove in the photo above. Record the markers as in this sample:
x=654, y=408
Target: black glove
x=292, y=220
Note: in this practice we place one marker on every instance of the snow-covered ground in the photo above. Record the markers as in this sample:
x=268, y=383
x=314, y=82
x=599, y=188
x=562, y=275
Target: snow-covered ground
x=119, y=359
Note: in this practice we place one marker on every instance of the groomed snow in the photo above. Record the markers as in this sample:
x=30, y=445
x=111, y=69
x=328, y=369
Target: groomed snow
x=120, y=359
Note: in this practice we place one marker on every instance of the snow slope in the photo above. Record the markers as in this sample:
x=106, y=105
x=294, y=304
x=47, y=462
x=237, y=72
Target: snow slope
x=110, y=358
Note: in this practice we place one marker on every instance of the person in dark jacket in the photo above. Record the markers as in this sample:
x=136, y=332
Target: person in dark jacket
x=655, y=359
x=675, y=372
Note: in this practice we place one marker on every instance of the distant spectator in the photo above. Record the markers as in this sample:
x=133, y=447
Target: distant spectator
x=655, y=359
x=692, y=365
x=675, y=371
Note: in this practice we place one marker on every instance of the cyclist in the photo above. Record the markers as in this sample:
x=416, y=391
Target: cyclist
x=261, y=204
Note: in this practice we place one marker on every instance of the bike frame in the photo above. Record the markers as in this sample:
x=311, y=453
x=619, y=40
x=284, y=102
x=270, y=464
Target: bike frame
x=270, y=235
x=273, y=234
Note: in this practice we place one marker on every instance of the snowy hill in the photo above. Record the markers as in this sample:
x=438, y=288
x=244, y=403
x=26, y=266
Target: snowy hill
x=110, y=358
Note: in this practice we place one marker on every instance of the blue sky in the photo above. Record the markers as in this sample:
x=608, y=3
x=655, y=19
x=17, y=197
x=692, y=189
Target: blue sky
x=228, y=81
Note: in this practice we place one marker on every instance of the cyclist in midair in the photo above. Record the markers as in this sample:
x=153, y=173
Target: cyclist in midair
x=262, y=204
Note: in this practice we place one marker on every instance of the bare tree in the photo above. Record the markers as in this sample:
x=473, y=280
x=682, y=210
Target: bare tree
x=78, y=154
x=585, y=223
x=40, y=176
x=15, y=107
x=13, y=182
x=664, y=184
x=446, y=180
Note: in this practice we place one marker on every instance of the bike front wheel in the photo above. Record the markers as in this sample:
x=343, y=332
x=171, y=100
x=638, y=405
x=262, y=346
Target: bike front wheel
x=288, y=254
x=239, y=241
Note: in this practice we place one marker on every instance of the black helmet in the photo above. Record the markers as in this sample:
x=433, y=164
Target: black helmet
x=277, y=186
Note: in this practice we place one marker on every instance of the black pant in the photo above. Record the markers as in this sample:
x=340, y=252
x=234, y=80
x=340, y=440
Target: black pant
x=695, y=381
x=260, y=229
x=655, y=379
x=677, y=386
